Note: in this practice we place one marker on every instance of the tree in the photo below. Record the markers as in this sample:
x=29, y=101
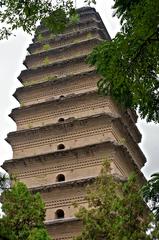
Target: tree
x=129, y=64
x=150, y=194
x=4, y=181
x=116, y=210
x=24, y=215
x=25, y=14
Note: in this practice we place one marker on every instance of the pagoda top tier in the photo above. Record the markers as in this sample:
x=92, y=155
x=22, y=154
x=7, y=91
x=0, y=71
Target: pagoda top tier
x=85, y=13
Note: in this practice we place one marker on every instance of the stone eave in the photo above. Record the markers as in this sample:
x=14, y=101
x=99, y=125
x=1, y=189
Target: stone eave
x=42, y=157
x=60, y=37
x=47, y=83
x=134, y=115
x=27, y=72
x=60, y=49
x=123, y=149
x=99, y=23
x=67, y=97
x=81, y=12
x=70, y=96
x=114, y=119
x=72, y=120
x=85, y=9
x=90, y=14
x=72, y=183
x=103, y=25
x=79, y=24
x=94, y=15
x=61, y=221
x=139, y=136
x=124, y=129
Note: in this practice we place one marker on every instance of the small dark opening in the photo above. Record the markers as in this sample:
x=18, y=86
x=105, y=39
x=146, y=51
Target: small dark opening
x=60, y=178
x=61, y=146
x=61, y=97
x=59, y=214
x=61, y=120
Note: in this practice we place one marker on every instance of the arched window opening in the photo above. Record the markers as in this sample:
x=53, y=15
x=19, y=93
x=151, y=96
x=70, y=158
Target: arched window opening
x=60, y=178
x=59, y=214
x=61, y=146
x=61, y=120
x=61, y=97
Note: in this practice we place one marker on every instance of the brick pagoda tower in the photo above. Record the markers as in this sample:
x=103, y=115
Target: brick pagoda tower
x=65, y=130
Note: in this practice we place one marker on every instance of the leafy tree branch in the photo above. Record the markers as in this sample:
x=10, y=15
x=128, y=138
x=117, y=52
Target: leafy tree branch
x=24, y=215
x=25, y=14
x=116, y=210
x=129, y=64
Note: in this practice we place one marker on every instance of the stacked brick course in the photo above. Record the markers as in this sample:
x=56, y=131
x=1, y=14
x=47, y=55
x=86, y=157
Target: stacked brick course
x=65, y=130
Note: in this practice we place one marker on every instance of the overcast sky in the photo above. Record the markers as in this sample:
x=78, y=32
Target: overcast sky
x=12, y=54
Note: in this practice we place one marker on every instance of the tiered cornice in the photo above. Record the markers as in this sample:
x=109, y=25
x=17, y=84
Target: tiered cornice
x=55, y=70
x=62, y=53
x=65, y=129
x=74, y=133
x=66, y=39
x=71, y=106
x=90, y=23
x=54, y=88
x=68, y=228
x=44, y=169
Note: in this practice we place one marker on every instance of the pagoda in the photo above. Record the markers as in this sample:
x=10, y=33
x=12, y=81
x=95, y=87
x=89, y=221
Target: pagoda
x=65, y=129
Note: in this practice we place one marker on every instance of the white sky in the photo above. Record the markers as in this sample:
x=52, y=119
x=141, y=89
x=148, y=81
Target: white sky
x=12, y=54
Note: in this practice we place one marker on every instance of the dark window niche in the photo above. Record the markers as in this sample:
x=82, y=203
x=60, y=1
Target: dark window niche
x=61, y=146
x=61, y=97
x=60, y=178
x=59, y=214
x=61, y=120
